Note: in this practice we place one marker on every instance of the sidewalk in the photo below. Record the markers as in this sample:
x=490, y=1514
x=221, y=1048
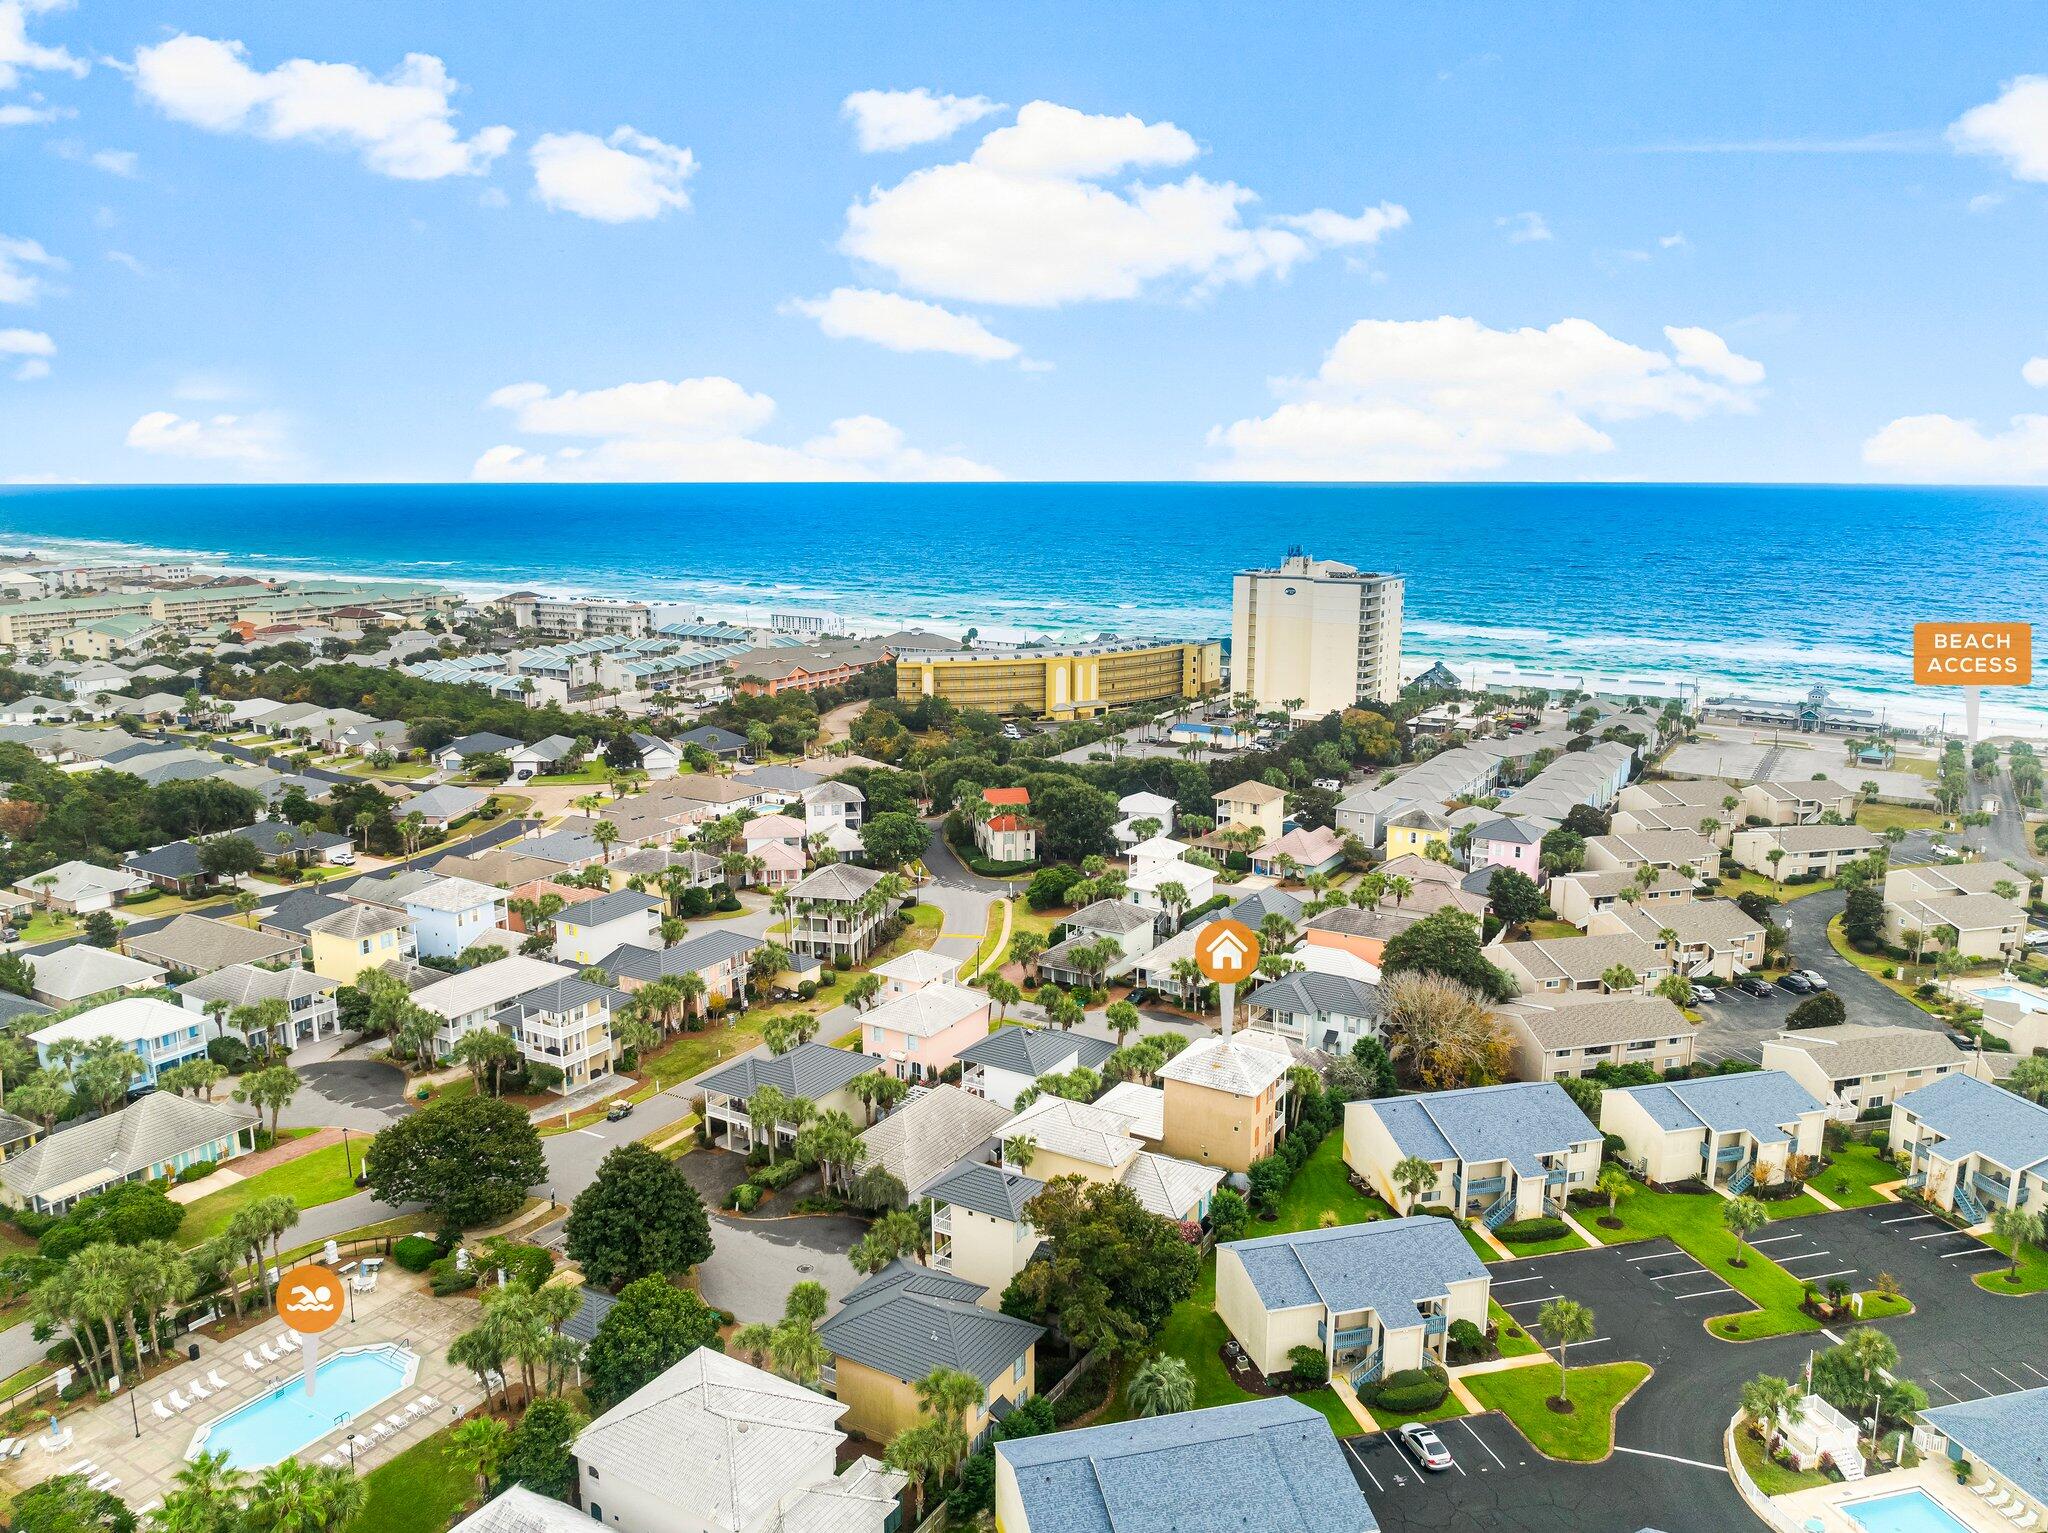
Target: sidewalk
x=590, y=1096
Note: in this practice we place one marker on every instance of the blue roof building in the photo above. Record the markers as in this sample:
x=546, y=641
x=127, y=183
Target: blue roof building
x=2006, y=1437
x=1972, y=1146
x=1375, y=1298
x=1723, y=1130
x=1273, y=1465
x=1500, y=1153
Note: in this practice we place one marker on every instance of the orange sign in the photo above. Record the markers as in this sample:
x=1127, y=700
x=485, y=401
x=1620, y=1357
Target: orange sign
x=1973, y=654
x=1227, y=951
x=309, y=1299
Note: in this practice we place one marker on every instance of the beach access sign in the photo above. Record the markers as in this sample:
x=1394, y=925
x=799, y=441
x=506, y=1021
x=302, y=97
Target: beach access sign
x=1973, y=654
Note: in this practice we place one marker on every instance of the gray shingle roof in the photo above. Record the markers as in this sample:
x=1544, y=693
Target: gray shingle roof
x=930, y=1131
x=1309, y=993
x=1854, y=1049
x=483, y=743
x=1758, y=1102
x=1110, y=917
x=301, y=908
x=809, y=1070
x=835, y=881
x=907, y=1320
x=1518, y=1122
x=1254, y=908
x=607, y=907
x=149, y=1130
x=201, y=944
x=632, y=960
x=355, y=922
x=1269, y=1465
x=1976, y=1117
x=1034, y=1051
x=242, y=984
x=1391, y=1266
x=2008, y=1434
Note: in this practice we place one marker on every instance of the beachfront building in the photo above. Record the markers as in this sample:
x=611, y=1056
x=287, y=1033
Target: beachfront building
x=1971, y=1147
x=1062, y=681
x=899, y=1325
x=1276, y=1458
x=1861, y=1070
x=1499, y=1153
x=1315, y=636
x=577, y=617
x=1374, y=1299
x=1574, y=1032
x=1728, y=1131
x=153, y=1138
x=1810, y=851
x=715, y=1445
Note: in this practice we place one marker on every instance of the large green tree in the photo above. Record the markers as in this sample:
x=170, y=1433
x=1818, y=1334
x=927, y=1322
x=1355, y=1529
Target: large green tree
x=1115, y=1269
x=66, y=1504
x=654, y=1326
x=1446, y=943
x=537, y=1455
x=639, y=1218
x=1073, y=818
x=470, y=1161
x=893, y=839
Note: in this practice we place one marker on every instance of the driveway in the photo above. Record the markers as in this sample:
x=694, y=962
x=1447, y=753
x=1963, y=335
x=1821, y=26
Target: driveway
x=1868, y=998
x=755, y=1262
x=347, y=1093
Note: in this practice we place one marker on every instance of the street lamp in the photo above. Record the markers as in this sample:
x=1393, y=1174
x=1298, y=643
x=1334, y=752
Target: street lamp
x=351, y=1453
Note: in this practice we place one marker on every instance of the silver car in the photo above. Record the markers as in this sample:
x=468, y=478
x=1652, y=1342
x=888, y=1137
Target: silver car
x=1813, y=979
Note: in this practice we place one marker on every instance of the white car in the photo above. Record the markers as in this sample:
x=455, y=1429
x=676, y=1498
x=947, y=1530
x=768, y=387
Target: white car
x=1329, y=785
x=1427, y=1447
x=2037, y=938
x=1813, y=979
x=1703, y=995
x=1941, y=849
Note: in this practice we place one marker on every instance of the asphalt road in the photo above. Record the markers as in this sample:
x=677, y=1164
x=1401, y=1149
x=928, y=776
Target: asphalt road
x=2008, y=837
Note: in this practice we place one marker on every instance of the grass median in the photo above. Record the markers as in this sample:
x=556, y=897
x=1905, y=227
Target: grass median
x=1583, y=1435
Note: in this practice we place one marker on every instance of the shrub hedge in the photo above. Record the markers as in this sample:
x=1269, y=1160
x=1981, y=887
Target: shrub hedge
x=1524, y=1230
x=1410, y=1390
x=415, y=1253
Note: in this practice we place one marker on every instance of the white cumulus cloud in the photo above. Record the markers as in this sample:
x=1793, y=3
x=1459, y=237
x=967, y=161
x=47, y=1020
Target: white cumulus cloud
x=23, y=268
x=2013, y=128
x=21, y=54
x=903, y=324
x=402, y=125
x=621, y=179
x=901, y=119
x=33, y=348
x=2035, y=372
x=22, y=114
x=1426, y=399
x=1027, y=220
x=1951, y=451
x=249, y=440
x=699, y=429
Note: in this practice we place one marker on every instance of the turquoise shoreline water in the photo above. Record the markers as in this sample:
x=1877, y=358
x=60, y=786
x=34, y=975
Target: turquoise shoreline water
x=1765, y=588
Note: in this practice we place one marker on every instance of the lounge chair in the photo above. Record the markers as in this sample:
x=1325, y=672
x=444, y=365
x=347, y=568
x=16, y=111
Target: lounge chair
x=2000, y=1501
x=162, y=1414
x=1984, y=1487
x=197, y=1390
x=179, y=1402
x=331, y=1460
x=249, y=1362
x=80, y=1467
x=396, y=1423
x=2027, y=1521
x=429, y=1401
x=103, y=1481
x=268, y=1356
x=213, y=1377
x=288, y=1342
x=19, y=1448
x=412, y=1411
x=6, y=1446
x=2016, y=1511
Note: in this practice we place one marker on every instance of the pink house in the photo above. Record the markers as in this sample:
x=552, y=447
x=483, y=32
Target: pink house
x=919, y=1032
x=1507, y=844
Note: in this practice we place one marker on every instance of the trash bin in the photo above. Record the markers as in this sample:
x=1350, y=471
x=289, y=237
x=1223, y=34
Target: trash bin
x=192, y=1352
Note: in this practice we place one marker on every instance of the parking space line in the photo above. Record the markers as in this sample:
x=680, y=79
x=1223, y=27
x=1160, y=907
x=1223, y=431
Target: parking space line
x=1358, y=1457
x=1937, y=1235
x=1909, y=1219
x=1703, y=1293
x=1466, y=1423
x=1949, y=1256
x=1803, y=1256
x=1522, y=1303
x=1931, y=1384
x=1510, y=1282
x=2037, y=1373
x=1653, y=1256
x=1817, y=1277
x=1671, y=1458
x=1693, y=1271
x=1972, y=1382
x=2016, y=1384
x=1772, y=1241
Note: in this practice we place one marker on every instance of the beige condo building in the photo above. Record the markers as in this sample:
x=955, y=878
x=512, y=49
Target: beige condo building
x=1063, y=682
x=1314, y=630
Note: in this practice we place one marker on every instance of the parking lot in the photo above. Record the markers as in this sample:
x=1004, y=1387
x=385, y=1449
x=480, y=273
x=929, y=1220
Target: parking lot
x=1650, y=1301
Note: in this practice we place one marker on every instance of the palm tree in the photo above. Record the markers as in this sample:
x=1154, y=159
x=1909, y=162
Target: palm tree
x=1413, y=1176
x=751, y=1342
x=1162, y=1385
x=1400, y=888
x=1770, y=1403
x=606, y=835
x=765, y=1109
x=479, y=1447
x=291, y=1497
x=1005, y=995
x=2014, y=1226
x=479, y=1351
x=1019, y=1151
x=1744, y=1217
x=949, y=1397
x=1565, y=1322
x=1612, y=1182
x=1873, y=1355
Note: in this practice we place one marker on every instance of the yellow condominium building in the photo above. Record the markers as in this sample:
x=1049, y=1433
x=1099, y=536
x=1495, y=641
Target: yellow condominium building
x=1066, y=682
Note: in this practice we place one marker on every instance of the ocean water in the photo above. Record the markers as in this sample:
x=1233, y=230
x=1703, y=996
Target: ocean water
x=1766, y=589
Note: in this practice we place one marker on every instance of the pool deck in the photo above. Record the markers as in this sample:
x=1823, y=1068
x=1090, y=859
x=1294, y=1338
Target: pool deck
x=1935, y=1477
x=398, y=1310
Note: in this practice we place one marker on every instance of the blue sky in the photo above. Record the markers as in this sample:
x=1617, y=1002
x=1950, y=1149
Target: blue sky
x=1742, y=242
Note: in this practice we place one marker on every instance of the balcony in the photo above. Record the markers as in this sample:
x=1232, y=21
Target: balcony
x=1354, y=1336
x=1435, y=1325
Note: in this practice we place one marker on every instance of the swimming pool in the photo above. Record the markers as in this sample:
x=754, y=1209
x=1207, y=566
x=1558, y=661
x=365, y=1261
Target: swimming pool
x=1906, y=1511
x=276, y=1425
x=2012, y=995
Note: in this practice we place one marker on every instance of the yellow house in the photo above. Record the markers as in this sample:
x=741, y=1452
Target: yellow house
x=1413, y=831
x=905, y=1323
x=1223, y=1099
x=358, y=938
x=1254, y=805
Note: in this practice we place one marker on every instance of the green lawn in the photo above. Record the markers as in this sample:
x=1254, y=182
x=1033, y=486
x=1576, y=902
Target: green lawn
x=1772, y=1478
x=423, y=1490
x=1543, y=931
x=595, y=773
x=1693, y=1221
x=1480, y=1248
x=1736, y=880
x=1195, y=1334
x=46, y=926
x=1882, y=817
x=1449, y=1408
x=1855, y=1170
x=1587, y=1433
x=1874, y=964
x=1794, y=1208
x=1565, y=1242
x=1511, y=1346
x=1324, y=1182
x=2033, y=1276
x=315, y=1178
